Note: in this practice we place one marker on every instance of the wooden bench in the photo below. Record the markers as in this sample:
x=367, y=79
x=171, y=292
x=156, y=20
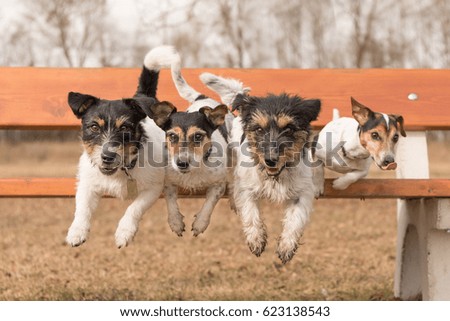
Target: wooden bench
x=36, y=98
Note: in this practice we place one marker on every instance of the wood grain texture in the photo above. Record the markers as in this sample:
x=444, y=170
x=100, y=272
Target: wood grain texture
x=366, y=188
x=36, y=98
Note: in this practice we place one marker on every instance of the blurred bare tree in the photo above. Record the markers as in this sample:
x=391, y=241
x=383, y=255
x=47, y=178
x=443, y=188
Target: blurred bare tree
x=290, y=19
x=61, y=33
x=439, y=14
x=233, y=33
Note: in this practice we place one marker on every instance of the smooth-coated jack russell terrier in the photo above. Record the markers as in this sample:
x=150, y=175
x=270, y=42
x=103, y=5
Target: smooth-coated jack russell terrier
x=359, y=140
x=197, y=149
x=268, y=140
x=123, y=153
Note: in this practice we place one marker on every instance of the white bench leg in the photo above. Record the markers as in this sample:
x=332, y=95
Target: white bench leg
x=438, y=250
x=423, y=241
x=423, y=269
x=412, y=157
x=408, y=270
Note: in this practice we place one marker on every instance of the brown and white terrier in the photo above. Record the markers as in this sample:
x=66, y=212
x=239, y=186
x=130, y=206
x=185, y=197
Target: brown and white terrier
x=348, y=145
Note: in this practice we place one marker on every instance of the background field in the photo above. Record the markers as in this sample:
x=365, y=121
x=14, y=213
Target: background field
x=347, y=252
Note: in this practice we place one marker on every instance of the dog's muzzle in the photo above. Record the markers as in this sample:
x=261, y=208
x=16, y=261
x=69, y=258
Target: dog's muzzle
x=109, y=164
x=274, y=171
x=183, y=166
x=389, y=163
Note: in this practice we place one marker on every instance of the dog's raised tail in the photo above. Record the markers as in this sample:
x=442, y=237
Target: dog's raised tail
x=227, y=88
x=154, y=60
x=336, y=114
x=184, y=90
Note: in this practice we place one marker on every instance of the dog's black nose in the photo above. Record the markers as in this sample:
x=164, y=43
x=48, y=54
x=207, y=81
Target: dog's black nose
x=182, y=165
x=108, y=159
x=388, y=160
x=270, y=162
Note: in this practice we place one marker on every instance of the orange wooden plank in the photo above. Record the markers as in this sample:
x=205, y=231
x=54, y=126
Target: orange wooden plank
x=37, y=187
x=36, y=98
x=391, y=188
x=366, y=188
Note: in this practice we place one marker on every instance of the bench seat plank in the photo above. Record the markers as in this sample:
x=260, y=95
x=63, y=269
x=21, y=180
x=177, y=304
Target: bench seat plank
x=366, y=188
x=36, y=98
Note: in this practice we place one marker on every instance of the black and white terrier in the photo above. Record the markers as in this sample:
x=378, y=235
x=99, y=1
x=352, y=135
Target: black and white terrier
x=123, y=153
x=368, y=136
x=268, y=139
x=197, y=149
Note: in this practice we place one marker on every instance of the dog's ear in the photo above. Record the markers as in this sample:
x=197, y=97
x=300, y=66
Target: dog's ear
x=400, y=121
x=216, y=116
x=79, y=103
x=241, y=102
x=141, y=105
x=160, y=112
x=360, y=112
x=310, y=109
x=244, y=104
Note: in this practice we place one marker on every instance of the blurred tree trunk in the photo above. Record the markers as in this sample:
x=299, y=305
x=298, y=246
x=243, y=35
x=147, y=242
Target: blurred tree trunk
x=230, y=16
x=290, y=20
x=74, y=27
x=363, y=30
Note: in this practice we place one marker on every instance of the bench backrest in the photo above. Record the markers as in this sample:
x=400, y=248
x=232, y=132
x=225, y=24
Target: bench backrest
x=36, y=98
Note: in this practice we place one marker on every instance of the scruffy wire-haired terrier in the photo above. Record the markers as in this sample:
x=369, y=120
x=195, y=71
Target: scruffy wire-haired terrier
x=268, y=138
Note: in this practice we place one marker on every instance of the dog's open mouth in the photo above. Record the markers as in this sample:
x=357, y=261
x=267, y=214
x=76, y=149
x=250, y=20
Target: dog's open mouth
x=274, y=171
x=108, y=170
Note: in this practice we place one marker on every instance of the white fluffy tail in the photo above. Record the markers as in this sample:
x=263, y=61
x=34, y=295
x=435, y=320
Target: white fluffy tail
x=184, y=90
x=227, y=88
x=162, y=56
x=165, y=56
x=336, y=114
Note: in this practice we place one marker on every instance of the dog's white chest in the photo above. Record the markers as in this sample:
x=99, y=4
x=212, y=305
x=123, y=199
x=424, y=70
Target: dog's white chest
x=197, y=178
x=338, y=147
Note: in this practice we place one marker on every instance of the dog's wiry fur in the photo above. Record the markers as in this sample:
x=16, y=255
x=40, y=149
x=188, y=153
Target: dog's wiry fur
x=369, y=136
x=197, y=145
x=117, y=137
x=268, y=138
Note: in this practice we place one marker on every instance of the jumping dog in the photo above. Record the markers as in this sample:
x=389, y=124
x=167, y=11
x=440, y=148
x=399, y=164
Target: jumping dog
x=268, y=139
x=123, y=151
x=197, y=149
x=367, y=136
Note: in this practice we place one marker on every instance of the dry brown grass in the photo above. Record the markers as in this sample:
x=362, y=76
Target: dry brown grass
x=348, y=250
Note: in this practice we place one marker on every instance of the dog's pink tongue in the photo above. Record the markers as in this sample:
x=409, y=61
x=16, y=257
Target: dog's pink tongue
x=391, y=166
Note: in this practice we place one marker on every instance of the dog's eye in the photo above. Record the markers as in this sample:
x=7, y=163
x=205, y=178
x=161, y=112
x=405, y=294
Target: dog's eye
x=173, y=138
x=375, y=136
x=94, y=128
x=395, y=138
x=198, y=137
x=259, y=130
x=124, y=128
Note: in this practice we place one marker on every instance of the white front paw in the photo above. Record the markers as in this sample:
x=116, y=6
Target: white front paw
x=77, y=235
x=341, y=183
x=125, y=233
x=176, y=223
x=199, y=225
x=286, y=249
x=256, y=239
x=318, y=189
